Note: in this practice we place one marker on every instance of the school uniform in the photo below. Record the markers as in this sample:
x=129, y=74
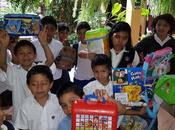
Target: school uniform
x=16, y=79
x=33, y=116
x=92, y=86
x=124, y=58
x=83, y=72
x=55, y=47
x=153, y=43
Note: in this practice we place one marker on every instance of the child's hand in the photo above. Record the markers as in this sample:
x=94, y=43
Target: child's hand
x=100, y=93
x=8, y=112
x=43, y=37
x=91, y=55
x=83, y=54
x=4, y=38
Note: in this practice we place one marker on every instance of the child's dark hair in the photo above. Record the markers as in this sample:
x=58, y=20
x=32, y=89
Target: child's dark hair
x=49, y=20
x=62, y=27
x=6, y=99
x=168, y=18
x=83, y=25
x=70, y=87
x=101, y=59
x=39, y=69
x=121, y=27
x=23, y=43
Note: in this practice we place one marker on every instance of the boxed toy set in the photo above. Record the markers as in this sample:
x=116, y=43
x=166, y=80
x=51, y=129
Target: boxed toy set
x=98, y=41
x=128, y=85
x=22, y=24
x=94, y=115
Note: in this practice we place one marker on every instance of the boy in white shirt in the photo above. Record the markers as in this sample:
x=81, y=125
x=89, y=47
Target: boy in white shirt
x=101, y=67
x=15, y=75
x=55, y=46
x=42, y=110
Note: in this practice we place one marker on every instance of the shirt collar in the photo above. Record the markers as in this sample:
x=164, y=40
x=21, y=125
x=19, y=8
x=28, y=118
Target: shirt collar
x=160, y=41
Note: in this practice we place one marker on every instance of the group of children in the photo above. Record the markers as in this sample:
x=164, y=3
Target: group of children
x=31, y=79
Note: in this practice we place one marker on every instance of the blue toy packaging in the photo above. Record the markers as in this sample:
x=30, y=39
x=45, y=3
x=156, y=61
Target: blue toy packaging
x=22, y=24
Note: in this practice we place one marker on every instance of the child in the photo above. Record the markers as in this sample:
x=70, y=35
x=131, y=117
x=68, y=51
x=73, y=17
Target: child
x=101, y=66
x=67, y=95
x=6, y=110
x=15, y=76
x=55, y=46
x=40, y=111
x=122, y=52
x=163, y=28
x=83, y=72
x=70, y=93
x=63, y=33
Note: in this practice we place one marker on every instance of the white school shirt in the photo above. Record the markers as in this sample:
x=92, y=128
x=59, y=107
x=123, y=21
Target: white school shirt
x=55, y=47
x=93, y=85
x=83, y=69
x=16, y=78
x=160, y=41
x=116, y=58
x=33, y=116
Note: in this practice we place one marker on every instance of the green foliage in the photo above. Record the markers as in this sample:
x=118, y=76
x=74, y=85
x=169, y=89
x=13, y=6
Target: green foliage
x=158, y=7
x=92, y=13
x=116, y=8
x=145, y=12
x=25, y=5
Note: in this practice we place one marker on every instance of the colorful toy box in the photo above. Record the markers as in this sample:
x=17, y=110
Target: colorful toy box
x=98, y=41
x=22, y=24
x=128, y=85
x=94, y=115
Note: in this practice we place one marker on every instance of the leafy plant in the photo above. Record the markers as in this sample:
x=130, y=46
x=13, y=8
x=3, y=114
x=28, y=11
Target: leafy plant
x=158, y=7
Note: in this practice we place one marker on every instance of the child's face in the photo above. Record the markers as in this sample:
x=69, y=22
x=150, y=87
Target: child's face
x=25, y=56
x=51, y=30
x=162, y=27
x=66, y=101
x=63, y=35
x=81, y=34
x=101, y=73
x=40, y=86
x=119, y=39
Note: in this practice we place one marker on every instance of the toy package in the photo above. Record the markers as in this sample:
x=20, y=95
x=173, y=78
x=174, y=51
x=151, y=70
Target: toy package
x=22, y=24
x=98, y=41
x=94, y=115
x=128, y=85
x=156, y=64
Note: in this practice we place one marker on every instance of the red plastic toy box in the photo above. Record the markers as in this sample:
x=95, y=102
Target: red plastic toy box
x=94, y=115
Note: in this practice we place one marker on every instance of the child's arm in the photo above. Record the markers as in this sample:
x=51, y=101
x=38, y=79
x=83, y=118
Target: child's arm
x=48, y=53
x=122, y=110
x=4, y=42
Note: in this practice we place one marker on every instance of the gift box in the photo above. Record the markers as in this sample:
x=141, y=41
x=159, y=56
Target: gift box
x=94, y=115
x=22, y=24
x=98, y=41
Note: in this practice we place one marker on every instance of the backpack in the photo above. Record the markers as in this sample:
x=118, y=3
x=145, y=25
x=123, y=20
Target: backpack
x=165, y=88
